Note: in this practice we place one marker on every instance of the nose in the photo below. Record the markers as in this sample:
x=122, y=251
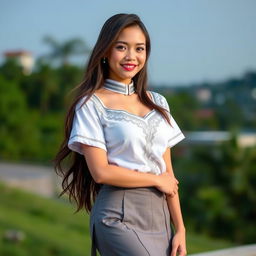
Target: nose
x=130, y=55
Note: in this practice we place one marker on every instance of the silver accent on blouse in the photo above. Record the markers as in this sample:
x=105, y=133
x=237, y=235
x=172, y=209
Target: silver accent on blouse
x=115, y=86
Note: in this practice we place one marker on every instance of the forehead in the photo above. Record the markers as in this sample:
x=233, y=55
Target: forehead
x=132, y=34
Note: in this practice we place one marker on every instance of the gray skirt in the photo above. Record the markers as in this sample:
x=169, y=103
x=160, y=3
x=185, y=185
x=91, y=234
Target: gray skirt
x=130, y=221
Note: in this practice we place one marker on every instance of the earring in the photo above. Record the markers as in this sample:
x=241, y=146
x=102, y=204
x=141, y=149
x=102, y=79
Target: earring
x=104, y=60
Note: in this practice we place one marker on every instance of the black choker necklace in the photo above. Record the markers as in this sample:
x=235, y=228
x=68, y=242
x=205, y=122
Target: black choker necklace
x=119, y=87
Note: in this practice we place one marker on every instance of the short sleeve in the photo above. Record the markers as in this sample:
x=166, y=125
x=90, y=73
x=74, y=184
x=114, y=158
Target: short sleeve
x=86, y=128
x=175, y=135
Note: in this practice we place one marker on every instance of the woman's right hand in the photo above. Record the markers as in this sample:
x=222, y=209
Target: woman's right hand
x=167, y=184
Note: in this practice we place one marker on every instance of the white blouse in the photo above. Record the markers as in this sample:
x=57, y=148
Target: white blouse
x=130, y=141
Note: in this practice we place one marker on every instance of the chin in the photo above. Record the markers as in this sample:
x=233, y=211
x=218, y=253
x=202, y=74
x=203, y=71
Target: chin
x=126, y=77
x=130, y=76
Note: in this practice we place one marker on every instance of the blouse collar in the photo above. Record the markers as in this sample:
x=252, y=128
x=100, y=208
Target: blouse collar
x=119, y=87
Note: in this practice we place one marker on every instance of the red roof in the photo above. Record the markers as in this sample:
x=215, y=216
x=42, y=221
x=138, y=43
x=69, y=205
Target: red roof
x=16, y=53
x=205, y=113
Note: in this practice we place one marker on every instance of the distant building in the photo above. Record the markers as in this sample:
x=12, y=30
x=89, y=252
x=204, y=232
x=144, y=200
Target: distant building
x=24, y=58
x=207, y=137
x=245, y=139
x=203, y=94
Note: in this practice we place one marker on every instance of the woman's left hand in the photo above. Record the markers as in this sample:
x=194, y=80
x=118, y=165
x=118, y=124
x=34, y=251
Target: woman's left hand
x=179, y=244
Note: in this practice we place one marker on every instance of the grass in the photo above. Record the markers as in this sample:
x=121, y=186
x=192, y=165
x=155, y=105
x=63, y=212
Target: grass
x=52, y=228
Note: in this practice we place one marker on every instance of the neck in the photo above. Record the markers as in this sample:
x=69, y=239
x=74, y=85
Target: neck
x=119, y=87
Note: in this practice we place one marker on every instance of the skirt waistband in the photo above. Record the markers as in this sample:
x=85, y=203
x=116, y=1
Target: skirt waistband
x=146, y=189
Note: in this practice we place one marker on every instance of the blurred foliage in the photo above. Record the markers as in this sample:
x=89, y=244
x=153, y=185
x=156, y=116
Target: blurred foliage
x=62, y=51
x=179, y=103
x=32, y=110
x=226, y=105
x=218, y=190
x=49, y=225
x=218, y=184
x=51, y=228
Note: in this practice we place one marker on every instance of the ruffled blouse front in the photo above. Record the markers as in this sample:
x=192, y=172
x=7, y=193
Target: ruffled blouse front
x=130, y=141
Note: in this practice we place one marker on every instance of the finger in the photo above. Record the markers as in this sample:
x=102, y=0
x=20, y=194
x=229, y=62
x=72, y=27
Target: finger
x=168, y=193
x=171, y=194
x=174, y=251
x=177, y=181
x=182, y=251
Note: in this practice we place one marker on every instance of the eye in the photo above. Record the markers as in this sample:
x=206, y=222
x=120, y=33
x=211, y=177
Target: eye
x=120, y=47
x=140, y=49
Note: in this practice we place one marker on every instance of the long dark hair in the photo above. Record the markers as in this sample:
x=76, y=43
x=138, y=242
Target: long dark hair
x=77, y=180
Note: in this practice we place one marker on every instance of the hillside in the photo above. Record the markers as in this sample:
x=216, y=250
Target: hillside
x=51, y=228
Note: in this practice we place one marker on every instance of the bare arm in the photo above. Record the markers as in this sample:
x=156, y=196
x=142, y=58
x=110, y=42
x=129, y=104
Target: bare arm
x=103, y=172
x=173, y=201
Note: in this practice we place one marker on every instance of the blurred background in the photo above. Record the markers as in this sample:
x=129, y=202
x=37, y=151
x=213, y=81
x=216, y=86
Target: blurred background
x=203, y=61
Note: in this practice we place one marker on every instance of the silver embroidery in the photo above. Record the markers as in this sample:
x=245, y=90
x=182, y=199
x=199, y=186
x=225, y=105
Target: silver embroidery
x=84, y=137
x=149, y=128
x=163, y=103
x=149, y=142
x=174, y=137
x=161, y=100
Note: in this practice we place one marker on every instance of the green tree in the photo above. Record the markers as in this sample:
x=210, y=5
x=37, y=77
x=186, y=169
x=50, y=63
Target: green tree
x=18, y=138
x=220, y=182
x=11, y=70
x=63, y=51
x=183, y=107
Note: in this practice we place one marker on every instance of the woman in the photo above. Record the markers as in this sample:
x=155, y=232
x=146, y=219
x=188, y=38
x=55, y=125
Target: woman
x=119, y=135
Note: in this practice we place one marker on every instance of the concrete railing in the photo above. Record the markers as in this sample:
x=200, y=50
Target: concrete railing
x=36, y=179
x=246, y=250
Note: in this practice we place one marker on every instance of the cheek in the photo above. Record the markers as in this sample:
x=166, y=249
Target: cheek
x=115, y=56
x=142, y=59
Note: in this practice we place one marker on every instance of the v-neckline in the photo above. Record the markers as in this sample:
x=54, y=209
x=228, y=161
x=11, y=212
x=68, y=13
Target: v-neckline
x=125, y=111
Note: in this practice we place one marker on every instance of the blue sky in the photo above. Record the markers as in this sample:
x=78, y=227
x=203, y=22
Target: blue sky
x=192, y=40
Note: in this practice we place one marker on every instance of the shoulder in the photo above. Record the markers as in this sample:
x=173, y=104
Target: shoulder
x=85, y=102
x=159, y=99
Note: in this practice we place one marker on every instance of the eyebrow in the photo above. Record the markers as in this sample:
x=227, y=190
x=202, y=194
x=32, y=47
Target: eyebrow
x=122, y=42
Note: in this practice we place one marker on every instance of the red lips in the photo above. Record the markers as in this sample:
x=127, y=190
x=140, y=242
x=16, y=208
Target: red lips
x=129, y=67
